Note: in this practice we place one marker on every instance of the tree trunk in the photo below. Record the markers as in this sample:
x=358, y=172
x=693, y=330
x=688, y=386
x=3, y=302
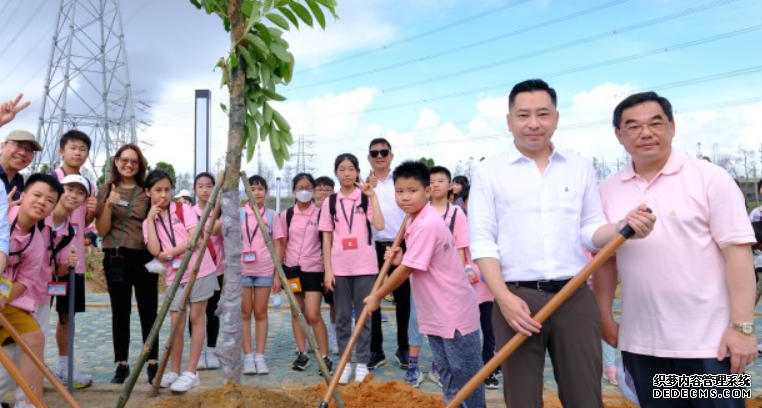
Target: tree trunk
x=230, y=304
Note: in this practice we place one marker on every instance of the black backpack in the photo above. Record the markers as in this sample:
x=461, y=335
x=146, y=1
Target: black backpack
x=61, y=245
x=363, y=205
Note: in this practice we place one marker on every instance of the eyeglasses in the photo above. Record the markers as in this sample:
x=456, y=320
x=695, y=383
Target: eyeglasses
x=126, y=160
x=23, y=147
x=324, y=189
x=654, y=127
x=382, y=152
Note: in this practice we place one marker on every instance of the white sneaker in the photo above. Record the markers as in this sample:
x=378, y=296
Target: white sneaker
x=212, y=362
x=249, y=368
x=185, y=382
x=360, y=372
x=261, y=366
x=168, y=379
x=202, y=364
x=344, y=379
x=79, y=380
x=759, y=347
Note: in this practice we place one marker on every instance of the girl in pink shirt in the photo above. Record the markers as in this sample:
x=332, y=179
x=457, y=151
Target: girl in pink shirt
x=259, y=277
x=167, y=230
x=203, y=185
x=349, y=256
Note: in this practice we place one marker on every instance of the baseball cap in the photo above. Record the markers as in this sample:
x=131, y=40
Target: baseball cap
x=76, y=179
x=183, y=193
x=23, y=136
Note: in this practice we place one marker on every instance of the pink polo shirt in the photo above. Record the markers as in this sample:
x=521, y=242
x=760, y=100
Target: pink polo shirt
x=675, y=300
x=356, y=261
x=79, y=223
x=216, y=241
x=253, y=241
x=62, y=258
x=171, y=222
x=444, y=299
x=26, y=268
x=303, y=239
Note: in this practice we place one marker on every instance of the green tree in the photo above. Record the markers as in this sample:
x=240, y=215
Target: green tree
x=429, y=162
x=170, y=169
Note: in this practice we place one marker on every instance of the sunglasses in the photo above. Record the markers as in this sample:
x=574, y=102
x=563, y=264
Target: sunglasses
x=382, y=152
x=126, y=160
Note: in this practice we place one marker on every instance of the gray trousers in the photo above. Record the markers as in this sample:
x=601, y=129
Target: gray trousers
x=460, y=359
x=572, y=338
x=349, y=294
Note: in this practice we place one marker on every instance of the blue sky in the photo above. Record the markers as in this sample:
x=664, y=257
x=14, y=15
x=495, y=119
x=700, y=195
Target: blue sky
x=449, y=107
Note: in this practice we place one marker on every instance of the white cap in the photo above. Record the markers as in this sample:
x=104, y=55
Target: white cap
x=183, y=193
x=77, y=179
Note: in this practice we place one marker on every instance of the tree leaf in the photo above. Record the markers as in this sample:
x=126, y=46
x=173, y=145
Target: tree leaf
x=264, y=130
x=268, y=4
x=274, y=139
x=251, y=129
x=258, y=118
x=265, y=76
x=278, y=156
x=287, y=138
x=330, y=5
x=275, y=32
x=284, y=151
x=196, y=3
x=279, y=52
x=233, y=59
x=302, y=12
x=259, y=45
x=278, y=20
x=290, y=16
x=224, y=108
x=279, y=120
x=246, y=8
x=263, y=33
x=273, y=96
x=317, y=12
x=267, y=111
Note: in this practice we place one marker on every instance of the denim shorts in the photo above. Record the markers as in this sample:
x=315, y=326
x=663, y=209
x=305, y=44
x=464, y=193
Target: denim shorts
x=257, y=281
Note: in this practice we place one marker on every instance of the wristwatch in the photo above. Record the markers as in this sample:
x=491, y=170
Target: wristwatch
x=745, y=328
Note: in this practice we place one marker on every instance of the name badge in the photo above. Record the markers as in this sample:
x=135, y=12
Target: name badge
x=249, y=257
x=176, y=264
x=75, y=227
x=5, y=287
x=57, y=288
x=349, y=243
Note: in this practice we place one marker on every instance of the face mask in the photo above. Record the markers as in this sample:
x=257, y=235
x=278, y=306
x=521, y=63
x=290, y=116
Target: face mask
x=304, y=196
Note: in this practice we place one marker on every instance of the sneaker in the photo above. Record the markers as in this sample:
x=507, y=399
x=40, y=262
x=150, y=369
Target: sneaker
x=402, y=359
x=376, y=360
x=759, y=347
x=168, y=379
x=610, y=375
x=491, y=382
x=434, y=374
x=202, y=361
x=121, y=374
x=301, y=363
x=151, y=370
x=389, y=298
x=414, y=376
x=344, y=379
x=212, y=362
x=79, y=380
x=261, y=366
x=185, y=382
x=499, y=373
x=249, y=368
x=333, y=345
x=361, y=371
x=329, y=363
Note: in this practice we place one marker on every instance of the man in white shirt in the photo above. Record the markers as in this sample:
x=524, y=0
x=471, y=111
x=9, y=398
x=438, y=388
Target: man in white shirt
x=380, y=157
x=531, y=210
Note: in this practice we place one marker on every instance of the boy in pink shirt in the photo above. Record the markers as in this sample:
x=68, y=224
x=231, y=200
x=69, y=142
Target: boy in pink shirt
x=445, y=301
x=687, y=290
x=259, y=278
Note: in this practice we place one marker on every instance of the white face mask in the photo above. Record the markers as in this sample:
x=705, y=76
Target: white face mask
x=304, y=196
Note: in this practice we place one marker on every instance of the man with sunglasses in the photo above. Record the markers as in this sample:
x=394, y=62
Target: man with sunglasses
x=380, y=157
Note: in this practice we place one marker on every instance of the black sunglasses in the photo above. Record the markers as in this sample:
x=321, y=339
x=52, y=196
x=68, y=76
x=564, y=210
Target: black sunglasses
x=382, y=152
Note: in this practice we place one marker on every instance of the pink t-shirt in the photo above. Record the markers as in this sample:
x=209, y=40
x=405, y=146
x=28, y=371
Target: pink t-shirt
x=303, y=245
x=360, y=256
x=79, y=222
x=216, y=240
x=62, y=257
x=26, y=267
x=444, y=299
x=253, y=241
x=675, y=300
x=168, y=224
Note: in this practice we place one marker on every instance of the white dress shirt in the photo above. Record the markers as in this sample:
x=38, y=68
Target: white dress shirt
x=393, y=214
x=534, y=224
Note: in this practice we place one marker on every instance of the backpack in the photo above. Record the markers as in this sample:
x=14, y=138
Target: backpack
x=61, y=245
x=290, y=216
x=363, y=205
x=180, y=213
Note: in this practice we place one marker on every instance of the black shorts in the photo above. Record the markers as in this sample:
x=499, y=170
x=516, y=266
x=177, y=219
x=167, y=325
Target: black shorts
x=312, y=281
x=62, y=302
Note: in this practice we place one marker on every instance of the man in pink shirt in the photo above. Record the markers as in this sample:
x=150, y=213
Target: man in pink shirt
x=445, y=302
x=688, y=290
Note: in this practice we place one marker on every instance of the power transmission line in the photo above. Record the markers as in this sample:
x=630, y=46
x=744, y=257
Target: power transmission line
x=10, y=19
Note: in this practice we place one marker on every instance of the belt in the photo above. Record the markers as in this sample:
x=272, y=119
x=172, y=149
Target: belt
x=541, y=285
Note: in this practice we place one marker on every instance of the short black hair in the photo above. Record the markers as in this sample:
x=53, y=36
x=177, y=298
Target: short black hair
x=201, y=175
x=75, y=134
x=441, y=170
x=462, y=180
x=637, y=99
x=156, y=175
x=346, y=156
x=325, y=181
x=257, y=180
x=380, y=140
x=48, y=179
x=305, y=176
x=531, y=85
x=413, y=169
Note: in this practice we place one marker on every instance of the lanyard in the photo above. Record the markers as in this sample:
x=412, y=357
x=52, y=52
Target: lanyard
x=447, y=211
x=351, y=219
x=170, y=235
x=124, y=224
x=31, y=236
x=249, y=235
